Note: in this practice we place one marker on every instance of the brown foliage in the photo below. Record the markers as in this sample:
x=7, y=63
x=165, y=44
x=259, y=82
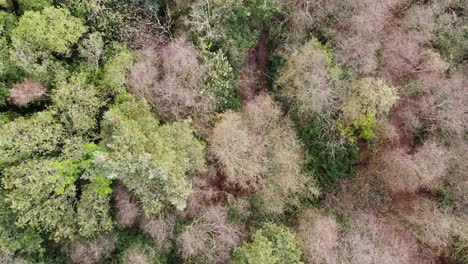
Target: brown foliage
x=445, y=103
x=127, y=211
x=258, y=150
x=360, y=43
x=92, y=251
x=307, y=82
x=404, y=172
x=210, y=238
x=160, y=228
x=318, y=236
x=372, y=240
x=171, y=80
x=207, y=190
x=306, y=16
x=25, y=92
x=434, y=226
x=401, y=55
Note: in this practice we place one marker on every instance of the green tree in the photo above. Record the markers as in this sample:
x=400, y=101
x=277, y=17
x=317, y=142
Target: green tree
x=43, y=194
x=151, y=160
x=233, y=25
x=93, y=208
x=92, y=47
x=42, y=34
x=31, y=137
x=26, y=5
x=221, y=80
x=5, y=3
x=116, y=68
x=77, y=106
x=271, y=244
x=24, y=241
x=369, y=99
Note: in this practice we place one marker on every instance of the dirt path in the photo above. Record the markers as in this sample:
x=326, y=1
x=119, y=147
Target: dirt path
x=253, y=76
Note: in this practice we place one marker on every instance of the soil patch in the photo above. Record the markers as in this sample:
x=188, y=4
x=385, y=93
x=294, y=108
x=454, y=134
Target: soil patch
x=253, y=71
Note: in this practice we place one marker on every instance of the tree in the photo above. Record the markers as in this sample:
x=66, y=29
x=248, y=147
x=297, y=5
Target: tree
x=31, y=137
x=77, y=106
x=258, y=151
x=233, y=25
x=309, y=83
x=150, y=160
x=93, y=208
x=171, y=80
x=33, y=186
x=26, y=5
x=40, y=35
x=369, y=99
x=51, y=183
x=116, y=67
x=92, y=251
x=211, y=238
x=271, y=244
x=318, y=236
x=25, y=92
x=24, y=241
x=92, y=47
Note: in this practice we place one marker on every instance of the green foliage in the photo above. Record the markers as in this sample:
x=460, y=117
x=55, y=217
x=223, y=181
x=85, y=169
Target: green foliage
x=3, y=96
x=232, y=25
x=77, y=106
x=25, y=138
x=328, y=157
x=24, y=241
x=106, y=16
x=459, y=254
x=369, y=99
x=35, y=5
x=42, y=34
x=150, y=160
x=361, y=127
x=7, y=116
x=33, y=186
x=309, y=82
x=91, y=48
x=51, y=30
x=116, y=68
x=5, y=3
x=453, y=43
x=93, y=215
x=7, y=22
x=271, y=244
x=9, y=73
x=36, y=184
x=221, y=80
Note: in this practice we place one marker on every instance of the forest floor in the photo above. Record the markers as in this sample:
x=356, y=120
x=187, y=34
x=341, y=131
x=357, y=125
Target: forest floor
x=253, y=76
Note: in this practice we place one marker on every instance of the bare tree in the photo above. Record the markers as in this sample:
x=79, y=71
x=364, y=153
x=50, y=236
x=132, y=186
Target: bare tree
x=25, y=92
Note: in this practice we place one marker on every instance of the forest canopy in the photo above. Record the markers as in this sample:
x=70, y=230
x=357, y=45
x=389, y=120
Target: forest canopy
x=223, y=131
